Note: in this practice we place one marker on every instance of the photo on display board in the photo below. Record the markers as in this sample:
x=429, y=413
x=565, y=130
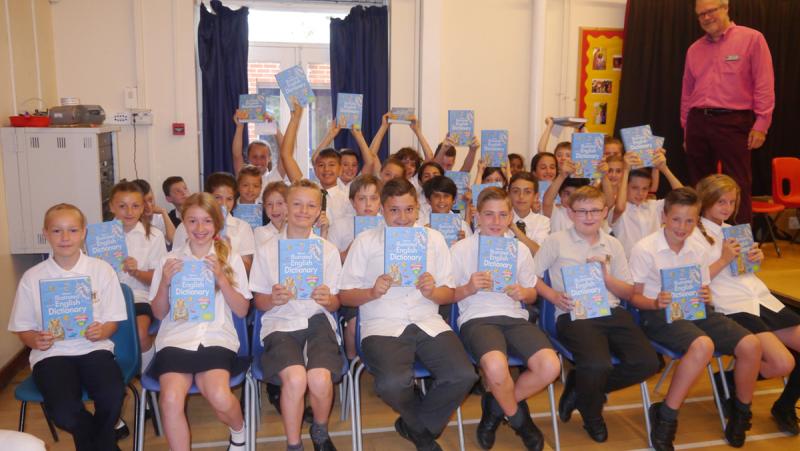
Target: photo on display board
x=600, y=112
x=598, y=58
x=601, y=86
x=616, y=62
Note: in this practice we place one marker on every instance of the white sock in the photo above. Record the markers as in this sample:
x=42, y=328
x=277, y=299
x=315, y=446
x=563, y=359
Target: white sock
x=120, y=423
x=147, y=357
x=238, y=436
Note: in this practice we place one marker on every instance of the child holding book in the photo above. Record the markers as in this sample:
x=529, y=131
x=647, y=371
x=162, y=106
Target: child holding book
x=670, y=248
x=301, y=349
x=544, y=166
x=400, y=324
x=155, y=215
x=348, y=157
x=259, y=155
x=529, y=227
x=516, y=163
x=392, y=168
x=63, y=368
x=146, y=248
x=446, y=154
x=273, y=200
x=239, y=234
x=427, y=171
x=248, y=184
x=199, y=351
x=635, y=216
x=441, y=193
x=746, y=299
x=591, y=341
x=494, y=323
x=562, y=186
x=175, y=191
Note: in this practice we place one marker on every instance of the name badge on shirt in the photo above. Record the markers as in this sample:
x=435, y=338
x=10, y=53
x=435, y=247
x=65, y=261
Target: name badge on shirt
x=732, y=58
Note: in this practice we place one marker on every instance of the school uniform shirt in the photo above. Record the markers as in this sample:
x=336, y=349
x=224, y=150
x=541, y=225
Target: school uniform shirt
x=175, y=217
x=263, y=234
x=744, y=293
x=345, y=187
x=190, y=335
x=337, y=205
x=652, y=254
x=567, y=248
x=424, y=209
x=148, y=252
x=400, y=307
x=559, y=220
x=157, y=221
x=537, y=227
x=464, y=256
x=238, y=232
x=293, y=315
x=637, y=222
x=108, y=304
x=341, y=234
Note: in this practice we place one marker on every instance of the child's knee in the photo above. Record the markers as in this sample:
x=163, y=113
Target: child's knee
x=495, y=368
x=293, y=379
x=748, y=347
x=545, y=363
x=701, y=348
x=319, y=380
x=220, y=397
x=171, y=399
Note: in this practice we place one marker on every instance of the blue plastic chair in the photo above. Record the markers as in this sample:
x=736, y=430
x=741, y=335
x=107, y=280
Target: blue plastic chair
x=256, y=376
x=150, y=384
x=359, y=365
x=126, y=353
x=513, y=361
x=547, y=321
x=675, y=356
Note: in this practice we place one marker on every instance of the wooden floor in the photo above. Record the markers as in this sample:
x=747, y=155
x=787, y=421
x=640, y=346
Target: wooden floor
x=699, y=425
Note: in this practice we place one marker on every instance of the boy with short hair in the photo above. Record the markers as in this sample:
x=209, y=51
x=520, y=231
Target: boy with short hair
x=175, y=191
x=563, y=186
x=248, y=184
x=591, y=341
x=671, y=247
x=635, y=216
x=529, y=227
x=494, y=324
x=400, y=324
x=441, y=193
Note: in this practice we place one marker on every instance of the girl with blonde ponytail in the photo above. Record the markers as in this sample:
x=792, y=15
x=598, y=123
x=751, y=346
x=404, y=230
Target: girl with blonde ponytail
x=201, y=351
x=747, y=300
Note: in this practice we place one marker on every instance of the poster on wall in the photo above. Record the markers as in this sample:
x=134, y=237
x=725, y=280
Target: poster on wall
x=599, y=74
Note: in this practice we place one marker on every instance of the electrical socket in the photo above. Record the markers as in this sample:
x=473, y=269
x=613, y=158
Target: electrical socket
x=142, y=117
x=794, y=223
x=121, y=118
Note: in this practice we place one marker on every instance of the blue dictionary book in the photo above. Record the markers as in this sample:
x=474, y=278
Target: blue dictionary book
x=744, y=235
x=658, y=142
x=252, y=214
x=300, y=266
x=66, y=306
x=494, y=147
x=448, y=224
x=363, y=223
x=587, y=152
x=461, y=126
x=584, y=284
x=106, y=241
x=498, y=256
x=543, y=185
x=191, y=293
x=684, y=282
x=402, y=115
x=348, y=110
x=252, y=108
x=461, y=179
x=476, y=191
x=640, y=141
x=405, y=254
x=293, y=82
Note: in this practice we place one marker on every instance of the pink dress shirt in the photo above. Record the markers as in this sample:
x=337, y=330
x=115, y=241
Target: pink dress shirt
x=734, y=72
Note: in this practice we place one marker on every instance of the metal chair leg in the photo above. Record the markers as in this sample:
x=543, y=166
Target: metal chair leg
x=22, y=410
x=553, y=415
x=663, y=375
x=50, y=423
x=357, y=411
x=460, y=422
x=136, y=407
x=646, y=409
x=714, y=392
x=156, y=413
x=141, y=423
x=770, y=226
x=723, y=378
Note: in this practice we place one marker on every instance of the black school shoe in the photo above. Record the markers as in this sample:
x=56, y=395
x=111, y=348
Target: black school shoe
x=531, y=436
x=122, y=432
x=596, y=429
x=662, y=432
x=490, y=421
x=737, y=427
x=786, y=418
x=423, y=441
x=569, y=398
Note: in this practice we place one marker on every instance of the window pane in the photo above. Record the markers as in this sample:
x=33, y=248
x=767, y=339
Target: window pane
x=286, y=26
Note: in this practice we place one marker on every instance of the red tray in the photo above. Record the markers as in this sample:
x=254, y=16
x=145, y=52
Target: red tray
x=30, y=121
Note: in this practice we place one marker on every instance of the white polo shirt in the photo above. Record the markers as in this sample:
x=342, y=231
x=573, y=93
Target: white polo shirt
x=537, y=227
x=109, y=304
x=488, y=303
x=157, y=221
x=190, y=335
x=734, y=294
x=148, y=252
x=262, y=234
x=638, y=221
x=652, y=254
x=239, y=233
x=567, y=248
x=400, y=307
x=338, y=206
x=293, y=315
x=559, y=220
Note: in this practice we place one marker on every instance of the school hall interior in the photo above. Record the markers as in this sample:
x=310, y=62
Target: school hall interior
x=515, y=63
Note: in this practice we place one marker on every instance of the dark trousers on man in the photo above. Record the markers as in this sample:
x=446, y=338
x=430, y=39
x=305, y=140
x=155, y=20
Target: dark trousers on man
x=592, y=343
x=61, y=380
x=719, y=136
x=391, y=362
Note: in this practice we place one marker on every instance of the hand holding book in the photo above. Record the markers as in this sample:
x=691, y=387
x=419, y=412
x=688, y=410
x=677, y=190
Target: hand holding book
x=515, y=292
x=480, y=281
x=95, y=332
x=381, y=287
x=280, y=294
x=322, y=296
x=171, y=267
x=426, y=285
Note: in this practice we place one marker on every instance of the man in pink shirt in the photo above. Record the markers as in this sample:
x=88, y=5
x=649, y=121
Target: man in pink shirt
x=727, y=98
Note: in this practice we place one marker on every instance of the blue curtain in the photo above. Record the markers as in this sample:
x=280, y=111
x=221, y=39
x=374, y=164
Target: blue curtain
x=360, y=65
x=222, y=46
